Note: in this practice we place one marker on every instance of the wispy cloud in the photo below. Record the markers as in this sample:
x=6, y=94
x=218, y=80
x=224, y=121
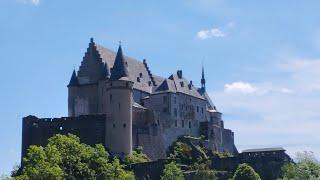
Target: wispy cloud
x=215, y=32
x=239, y=87
x=210, y=33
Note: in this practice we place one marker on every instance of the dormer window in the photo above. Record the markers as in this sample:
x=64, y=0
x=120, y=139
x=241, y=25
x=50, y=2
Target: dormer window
x=181, y=84
x=138, y=79
x=149, y=83
x=141, y=75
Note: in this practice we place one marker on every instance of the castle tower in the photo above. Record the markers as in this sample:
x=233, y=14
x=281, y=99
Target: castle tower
x=119, y=108
x=72, y=90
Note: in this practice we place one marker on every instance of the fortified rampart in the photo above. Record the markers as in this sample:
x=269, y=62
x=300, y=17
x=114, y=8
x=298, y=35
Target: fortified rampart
x=89, y=128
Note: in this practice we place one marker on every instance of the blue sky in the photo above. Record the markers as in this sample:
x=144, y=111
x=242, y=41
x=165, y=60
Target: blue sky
x=262, y=60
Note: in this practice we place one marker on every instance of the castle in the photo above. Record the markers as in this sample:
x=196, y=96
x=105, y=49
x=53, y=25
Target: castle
x=115, y=100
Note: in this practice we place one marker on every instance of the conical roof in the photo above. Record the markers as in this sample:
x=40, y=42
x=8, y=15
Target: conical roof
x=119, y=69
x=74, y=79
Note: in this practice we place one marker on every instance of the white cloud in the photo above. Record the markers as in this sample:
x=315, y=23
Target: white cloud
x=281, y=112
x=211, y=33
x=239, y=87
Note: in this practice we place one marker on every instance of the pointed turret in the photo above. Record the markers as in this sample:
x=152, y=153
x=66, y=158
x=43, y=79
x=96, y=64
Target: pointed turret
x=74, y=79
x=203, y=81
x=120, y=69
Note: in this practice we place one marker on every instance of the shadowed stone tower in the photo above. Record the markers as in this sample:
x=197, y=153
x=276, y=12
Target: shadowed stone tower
x=119, y=107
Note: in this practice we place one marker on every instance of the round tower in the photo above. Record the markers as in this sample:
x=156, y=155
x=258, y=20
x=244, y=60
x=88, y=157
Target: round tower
x=119, y=103
x=119, y=113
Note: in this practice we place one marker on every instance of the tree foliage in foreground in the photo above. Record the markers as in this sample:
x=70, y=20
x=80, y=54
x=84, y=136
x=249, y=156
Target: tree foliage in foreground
x=203, y=171
x=66, y=158
x=306, y=168
x=137, y=156
x=172, y=172
x=245, y=172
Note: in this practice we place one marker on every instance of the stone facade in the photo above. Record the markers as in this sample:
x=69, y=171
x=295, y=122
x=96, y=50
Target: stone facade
x=139, y=108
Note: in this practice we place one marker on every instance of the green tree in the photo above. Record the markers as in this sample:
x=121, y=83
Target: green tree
x=116, y=172
x=306, y=167
x=203, y=171
x=172, y=172
x=66, y=158
x=137, y=156
x=43, y=162
x=245, y=172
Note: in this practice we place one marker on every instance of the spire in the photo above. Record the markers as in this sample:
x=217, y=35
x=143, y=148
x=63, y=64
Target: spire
x=203, y=81
x=119, y=69
x=74, y=79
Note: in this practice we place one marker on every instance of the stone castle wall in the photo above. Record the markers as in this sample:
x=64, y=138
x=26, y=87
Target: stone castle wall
x=89, y=128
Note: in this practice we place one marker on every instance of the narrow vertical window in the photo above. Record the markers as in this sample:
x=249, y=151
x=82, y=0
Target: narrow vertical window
x=182, y=124
x=189, y=124
x=110, y=97
x=176, y=123
x=119, y=105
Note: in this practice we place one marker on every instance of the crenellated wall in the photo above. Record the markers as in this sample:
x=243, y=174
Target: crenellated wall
x=36, y=131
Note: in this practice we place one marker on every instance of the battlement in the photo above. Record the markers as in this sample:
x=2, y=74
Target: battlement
x=36, y=131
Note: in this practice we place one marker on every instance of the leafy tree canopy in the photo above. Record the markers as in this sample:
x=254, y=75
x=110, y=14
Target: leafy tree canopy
x=172, y=172
x=306, y=167
x=245, y=172
x=137, y=156
x=66, y=158
x=203, y=171
x=186, y=152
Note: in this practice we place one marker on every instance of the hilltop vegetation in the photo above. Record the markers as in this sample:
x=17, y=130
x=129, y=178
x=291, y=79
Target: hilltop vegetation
x=65, y=157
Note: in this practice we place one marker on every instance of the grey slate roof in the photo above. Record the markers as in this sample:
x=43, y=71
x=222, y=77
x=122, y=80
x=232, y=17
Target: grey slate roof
x=138, y=106
x=135, y=67
x=166, y=85
x=183, y=86
x=138, y=71
x=263, y=150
